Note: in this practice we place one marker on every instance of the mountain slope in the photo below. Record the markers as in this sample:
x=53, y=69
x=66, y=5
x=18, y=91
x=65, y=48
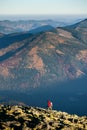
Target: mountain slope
x=45, y=58
x=24, y=117
x=79, y=30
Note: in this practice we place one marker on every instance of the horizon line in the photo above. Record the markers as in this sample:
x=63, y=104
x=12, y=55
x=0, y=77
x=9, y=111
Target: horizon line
x=43, y=14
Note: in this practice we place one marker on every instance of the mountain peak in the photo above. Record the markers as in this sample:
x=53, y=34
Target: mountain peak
x=44, y=28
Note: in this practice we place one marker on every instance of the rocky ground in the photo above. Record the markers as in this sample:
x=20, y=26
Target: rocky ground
x=30, y=118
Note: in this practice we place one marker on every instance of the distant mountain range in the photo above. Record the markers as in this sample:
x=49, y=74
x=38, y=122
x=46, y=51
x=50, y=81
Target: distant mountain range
x=43, y=56
x=9, y=26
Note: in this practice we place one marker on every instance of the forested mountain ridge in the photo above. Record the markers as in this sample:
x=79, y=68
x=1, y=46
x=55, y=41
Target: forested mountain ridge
x=31, y=60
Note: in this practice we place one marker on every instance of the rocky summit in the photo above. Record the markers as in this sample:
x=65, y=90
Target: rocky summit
x=35, y=118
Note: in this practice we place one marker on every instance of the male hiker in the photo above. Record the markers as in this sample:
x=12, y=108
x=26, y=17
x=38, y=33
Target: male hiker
x=50, y=105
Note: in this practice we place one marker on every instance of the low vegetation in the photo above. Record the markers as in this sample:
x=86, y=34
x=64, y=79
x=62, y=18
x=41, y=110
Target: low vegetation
x=31, y=118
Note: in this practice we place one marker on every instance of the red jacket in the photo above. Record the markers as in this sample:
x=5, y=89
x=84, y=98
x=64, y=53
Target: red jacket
x=49, y=104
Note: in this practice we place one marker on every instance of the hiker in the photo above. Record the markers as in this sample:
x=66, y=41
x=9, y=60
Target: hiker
x=50, y=105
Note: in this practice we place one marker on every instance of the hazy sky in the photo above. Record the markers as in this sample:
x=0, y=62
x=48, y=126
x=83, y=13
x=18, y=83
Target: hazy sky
x=43, y=6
